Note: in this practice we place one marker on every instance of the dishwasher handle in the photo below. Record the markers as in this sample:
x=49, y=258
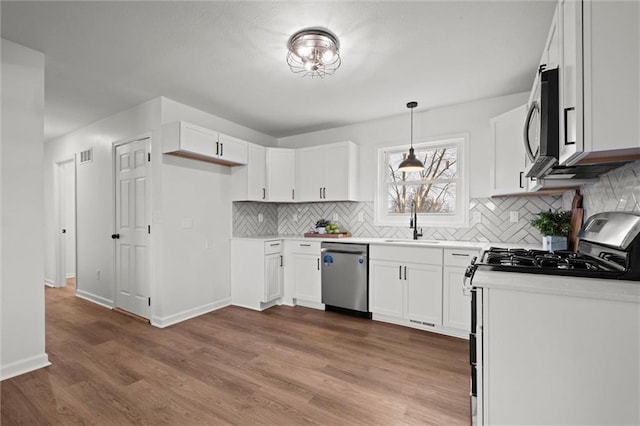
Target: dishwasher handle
x=358, y=253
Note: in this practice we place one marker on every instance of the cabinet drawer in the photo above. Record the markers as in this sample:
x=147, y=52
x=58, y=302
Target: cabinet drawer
x=304, y=247
x=424, y=255
x=459, y=257
x=273, y=246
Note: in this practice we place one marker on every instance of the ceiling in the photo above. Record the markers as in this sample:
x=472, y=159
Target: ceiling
x=228, y=58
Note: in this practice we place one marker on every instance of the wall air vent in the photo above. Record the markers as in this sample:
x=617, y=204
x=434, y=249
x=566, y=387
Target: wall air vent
x=86, y=156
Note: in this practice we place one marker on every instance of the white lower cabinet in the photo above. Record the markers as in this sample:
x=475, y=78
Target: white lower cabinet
x=420, y=287
x=303, y=274
x=257, y=275
x=405, y=285
x=456, y=311
x=423, y=294
x=386, y=288
x=274, y=276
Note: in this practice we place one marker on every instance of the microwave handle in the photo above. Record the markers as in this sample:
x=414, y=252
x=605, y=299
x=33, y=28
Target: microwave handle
x=527, y=145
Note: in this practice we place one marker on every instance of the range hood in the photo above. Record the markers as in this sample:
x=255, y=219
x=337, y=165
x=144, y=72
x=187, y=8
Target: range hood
x=582, y=171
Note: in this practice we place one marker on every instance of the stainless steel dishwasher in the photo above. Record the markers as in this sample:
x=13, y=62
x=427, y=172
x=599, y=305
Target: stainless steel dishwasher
x=345, y=278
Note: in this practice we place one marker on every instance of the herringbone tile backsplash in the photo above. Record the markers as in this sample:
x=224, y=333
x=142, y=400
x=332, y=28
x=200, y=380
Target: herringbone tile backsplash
x=245, y=219
x=493, y=226
x=618, y=190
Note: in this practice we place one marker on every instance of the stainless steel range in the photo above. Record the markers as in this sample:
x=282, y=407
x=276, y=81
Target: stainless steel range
x=606, y=267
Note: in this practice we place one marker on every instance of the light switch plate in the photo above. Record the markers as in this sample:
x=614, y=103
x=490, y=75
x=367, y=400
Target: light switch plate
x=260, y=217
x=361, y=217
x=476, y=217
x=295, y=217
x=336, y=218
x=513, y=216
x=187, y=223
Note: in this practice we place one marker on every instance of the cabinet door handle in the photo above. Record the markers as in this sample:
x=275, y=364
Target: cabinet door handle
x=264, y=193
x=566, y=125
x=280, y=260
x=221, y=149
x=320, y=192
x=217, y=148
x=400, y=272
x=318, y=264
x=405, y=273
x=324, y=193
x=274, y=244
x=520, y=181
x=305, y=245
x=293, y=194
x=460, y=254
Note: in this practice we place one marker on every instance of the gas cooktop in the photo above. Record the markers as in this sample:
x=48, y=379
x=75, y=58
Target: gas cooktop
x=544, y=262
x=609, y=248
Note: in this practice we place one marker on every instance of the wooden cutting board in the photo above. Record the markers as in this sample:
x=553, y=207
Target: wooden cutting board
x=340, y=235
x=577, y=216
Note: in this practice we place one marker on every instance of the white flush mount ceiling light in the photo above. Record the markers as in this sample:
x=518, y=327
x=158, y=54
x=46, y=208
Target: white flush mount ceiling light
x=411, y=163
x=314, y=52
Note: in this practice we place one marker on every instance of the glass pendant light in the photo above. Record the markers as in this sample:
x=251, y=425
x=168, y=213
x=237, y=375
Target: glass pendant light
x=411, y=163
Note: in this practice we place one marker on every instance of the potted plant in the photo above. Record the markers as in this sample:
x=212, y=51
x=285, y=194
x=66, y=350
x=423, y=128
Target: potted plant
x=321, y=225
x=554, y=227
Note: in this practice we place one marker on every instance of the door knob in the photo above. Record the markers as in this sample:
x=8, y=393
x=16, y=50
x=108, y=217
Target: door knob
x=115, y=236
x=64, y=231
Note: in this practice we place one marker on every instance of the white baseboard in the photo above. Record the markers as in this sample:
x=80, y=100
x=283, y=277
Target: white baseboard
x=95, y=299
x=23, y=366
x=462, y=334
x=71, y=276
x=49, y=283
x=162, y=322
x=309, y=304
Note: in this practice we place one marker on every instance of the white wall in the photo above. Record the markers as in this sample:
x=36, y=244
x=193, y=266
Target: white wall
x=190, y=263
x=470, y=118
x=195, y=218
x=95, y=220
x=22, y=346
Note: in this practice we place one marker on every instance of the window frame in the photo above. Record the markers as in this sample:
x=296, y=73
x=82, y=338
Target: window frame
x=459, y=219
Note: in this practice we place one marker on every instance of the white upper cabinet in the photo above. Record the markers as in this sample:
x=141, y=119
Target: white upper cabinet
x=327, y=172
x=232, y=150
x=600, y=81
x=551, y=54
x=281, y=174
x=269, y=176
x=508, y=159
x=189, y=140
x=255, y=174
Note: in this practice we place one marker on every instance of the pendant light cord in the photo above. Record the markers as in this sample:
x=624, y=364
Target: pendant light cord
x=412, y=128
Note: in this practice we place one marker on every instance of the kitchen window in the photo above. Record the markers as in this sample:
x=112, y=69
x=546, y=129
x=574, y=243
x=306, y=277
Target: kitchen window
x=439, y=191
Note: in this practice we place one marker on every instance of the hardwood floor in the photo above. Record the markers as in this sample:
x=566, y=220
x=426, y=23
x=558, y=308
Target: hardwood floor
x=235, y=366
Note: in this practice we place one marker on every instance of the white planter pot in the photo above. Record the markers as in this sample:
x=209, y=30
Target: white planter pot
x=321, y=230
x=554, y=243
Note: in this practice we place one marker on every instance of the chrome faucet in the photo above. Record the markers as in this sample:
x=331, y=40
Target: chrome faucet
x=413, y=221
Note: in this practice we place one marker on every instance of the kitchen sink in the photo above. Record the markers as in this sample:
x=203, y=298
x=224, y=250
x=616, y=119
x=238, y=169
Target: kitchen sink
x=414, y=241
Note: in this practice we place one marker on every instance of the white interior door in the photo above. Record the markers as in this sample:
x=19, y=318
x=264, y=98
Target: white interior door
x=133, y=230
x=65, y=218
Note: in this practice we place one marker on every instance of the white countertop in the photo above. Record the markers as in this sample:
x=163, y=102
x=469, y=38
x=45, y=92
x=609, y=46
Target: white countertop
x=479, y=245
x=561, y=285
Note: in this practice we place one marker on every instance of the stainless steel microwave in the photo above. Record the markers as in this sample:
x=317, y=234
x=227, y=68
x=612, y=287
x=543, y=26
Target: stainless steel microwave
x=541, y=128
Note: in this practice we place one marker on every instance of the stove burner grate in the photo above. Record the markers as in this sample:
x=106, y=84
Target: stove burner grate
x=561, y=259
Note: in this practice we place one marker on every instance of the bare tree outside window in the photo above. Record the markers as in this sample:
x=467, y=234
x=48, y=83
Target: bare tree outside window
x=433, y=189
